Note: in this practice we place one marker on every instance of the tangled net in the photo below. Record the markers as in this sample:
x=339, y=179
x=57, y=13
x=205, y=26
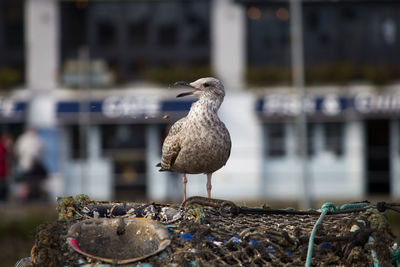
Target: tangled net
x=218, y=233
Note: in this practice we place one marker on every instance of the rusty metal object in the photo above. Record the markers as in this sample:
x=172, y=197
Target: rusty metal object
x=118, y=241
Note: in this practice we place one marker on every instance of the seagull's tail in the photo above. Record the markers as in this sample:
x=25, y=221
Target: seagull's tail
x=161, y=168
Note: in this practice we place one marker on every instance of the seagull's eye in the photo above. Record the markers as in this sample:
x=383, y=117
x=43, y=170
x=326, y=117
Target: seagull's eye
x=206, y=84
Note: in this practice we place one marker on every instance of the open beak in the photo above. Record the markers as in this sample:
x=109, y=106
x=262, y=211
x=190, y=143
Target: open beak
x=182, y=83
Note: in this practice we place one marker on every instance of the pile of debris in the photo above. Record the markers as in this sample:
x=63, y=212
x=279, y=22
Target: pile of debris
x=210, y=232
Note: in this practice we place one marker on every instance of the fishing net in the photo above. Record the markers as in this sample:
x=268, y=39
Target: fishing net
x=219, y=233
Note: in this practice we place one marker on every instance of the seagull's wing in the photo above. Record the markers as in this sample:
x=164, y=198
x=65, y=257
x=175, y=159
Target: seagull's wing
x=171, y=146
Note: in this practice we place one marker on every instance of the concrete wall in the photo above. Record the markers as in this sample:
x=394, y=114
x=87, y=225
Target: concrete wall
x=228, y=42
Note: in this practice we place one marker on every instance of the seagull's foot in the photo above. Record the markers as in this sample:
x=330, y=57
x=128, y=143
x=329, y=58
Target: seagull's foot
x=183, y=202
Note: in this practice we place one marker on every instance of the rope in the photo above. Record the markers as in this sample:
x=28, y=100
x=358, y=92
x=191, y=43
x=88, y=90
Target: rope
x=395, y=257
x=326, y=207
x=354, y=206
x=383, y=206
x=373, y=253
x=229, y=207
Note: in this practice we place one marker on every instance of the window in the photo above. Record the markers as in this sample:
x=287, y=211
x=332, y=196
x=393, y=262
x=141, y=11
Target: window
x=349, y=14
x=138, y=33
x=79, y=142
x=123, y=137
x=13, y=25
x=333, y=135
x=125, y=146
x=139, y=39
x=168, y=35
x=398, y=137
x=313, y=21
x=310, y=139
x=268, y=44
x=268, y=41
x=106, y=33
x=130, y=172
x=74, y=35
x=12, y=60
x=197, y=23
x=275, y=139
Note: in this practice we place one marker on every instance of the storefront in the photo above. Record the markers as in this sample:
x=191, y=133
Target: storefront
x=115, y=144
x=353, y=142
x=12, y=115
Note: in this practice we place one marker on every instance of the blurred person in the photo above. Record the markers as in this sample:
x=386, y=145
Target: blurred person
x=30, y=172
x=5, y=163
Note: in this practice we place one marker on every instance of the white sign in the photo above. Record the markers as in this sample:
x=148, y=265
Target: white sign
x=367, y=102
x=331, y=105
x=117, y=106
x=287, y=104
x=7, y=107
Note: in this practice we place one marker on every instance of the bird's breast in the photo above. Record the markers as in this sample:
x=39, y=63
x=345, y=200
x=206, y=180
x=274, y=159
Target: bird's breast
x=205, y=147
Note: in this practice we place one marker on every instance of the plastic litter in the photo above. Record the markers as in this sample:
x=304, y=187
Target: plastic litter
x=186, y=237
x=325, y=245
x=234, y=239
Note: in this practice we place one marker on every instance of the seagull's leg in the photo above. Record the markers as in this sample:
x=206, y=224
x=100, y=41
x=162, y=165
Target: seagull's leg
x=184, y=182
x=209, y=184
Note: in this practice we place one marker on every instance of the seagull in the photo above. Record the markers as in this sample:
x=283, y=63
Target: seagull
x=199, y=142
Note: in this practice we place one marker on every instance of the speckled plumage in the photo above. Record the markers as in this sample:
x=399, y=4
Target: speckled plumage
x=199, y=142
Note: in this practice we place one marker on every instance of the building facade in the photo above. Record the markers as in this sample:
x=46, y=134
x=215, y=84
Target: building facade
x=89, y=75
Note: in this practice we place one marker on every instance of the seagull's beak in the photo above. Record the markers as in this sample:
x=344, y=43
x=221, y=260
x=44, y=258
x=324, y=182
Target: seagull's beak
x=182, y=83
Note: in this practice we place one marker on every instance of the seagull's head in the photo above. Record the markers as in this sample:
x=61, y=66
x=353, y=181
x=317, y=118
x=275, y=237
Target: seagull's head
x=204, y=88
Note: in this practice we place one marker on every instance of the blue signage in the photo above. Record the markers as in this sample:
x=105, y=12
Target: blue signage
x=12, y=109
x=363, y=103
x=123, y=107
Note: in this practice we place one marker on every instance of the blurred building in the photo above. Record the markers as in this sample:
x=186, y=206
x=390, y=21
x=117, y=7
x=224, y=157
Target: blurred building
x=93, y=78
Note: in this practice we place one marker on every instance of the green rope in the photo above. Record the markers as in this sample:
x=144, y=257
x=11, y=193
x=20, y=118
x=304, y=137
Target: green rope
x=395, y=257
x=353, y=206
x=326, y=207
x=345, y=207
x=375, y=260
x=330, y=207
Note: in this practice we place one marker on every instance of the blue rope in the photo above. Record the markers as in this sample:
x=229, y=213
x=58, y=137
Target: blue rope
x=327, y=207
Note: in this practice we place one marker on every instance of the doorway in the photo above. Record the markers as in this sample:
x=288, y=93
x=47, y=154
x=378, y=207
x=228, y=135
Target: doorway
x=378, y=156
